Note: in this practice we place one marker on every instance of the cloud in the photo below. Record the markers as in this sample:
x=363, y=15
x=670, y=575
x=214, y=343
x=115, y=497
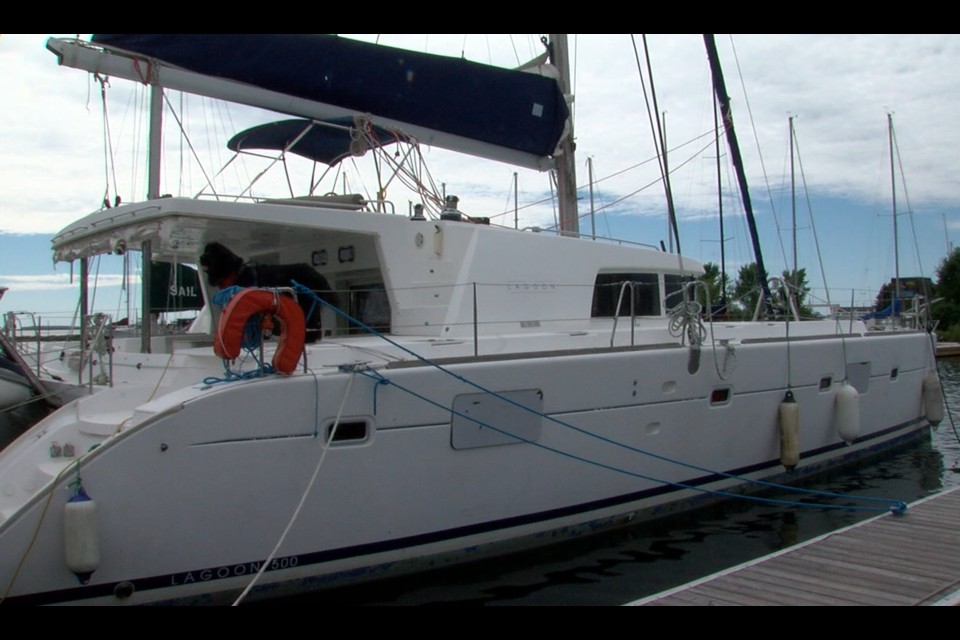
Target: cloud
x=59, y=281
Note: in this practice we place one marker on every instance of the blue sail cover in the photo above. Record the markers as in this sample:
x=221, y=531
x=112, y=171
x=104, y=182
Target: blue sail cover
x=511, y=109
x=319, y=143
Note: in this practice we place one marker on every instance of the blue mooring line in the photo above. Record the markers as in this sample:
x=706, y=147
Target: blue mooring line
x=896, y=507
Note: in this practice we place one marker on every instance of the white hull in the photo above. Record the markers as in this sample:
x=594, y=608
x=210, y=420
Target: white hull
x=193, y=495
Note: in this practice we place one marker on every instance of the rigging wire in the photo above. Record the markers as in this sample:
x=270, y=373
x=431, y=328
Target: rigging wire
x=515, y=53
x=813, y=225
x=897, y=506
x=180, y=149
x=646, y=186
x=662, y=146
x=756, y=139
x=615, y=174
x=139, y=110
x=110, y=162
x=186, y=137
x=658, y=140
x=96, y=281
x=906, y=197
x=602, y=209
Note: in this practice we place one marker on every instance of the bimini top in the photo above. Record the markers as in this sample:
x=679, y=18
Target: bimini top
x=507, y=108
x=309, y=139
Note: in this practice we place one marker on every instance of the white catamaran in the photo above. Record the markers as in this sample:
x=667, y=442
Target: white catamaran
x=476, y=389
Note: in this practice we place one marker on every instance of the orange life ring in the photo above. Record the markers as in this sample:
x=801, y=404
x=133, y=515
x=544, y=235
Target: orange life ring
x=273, y=305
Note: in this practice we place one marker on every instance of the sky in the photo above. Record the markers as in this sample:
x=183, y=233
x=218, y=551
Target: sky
x=839, y=88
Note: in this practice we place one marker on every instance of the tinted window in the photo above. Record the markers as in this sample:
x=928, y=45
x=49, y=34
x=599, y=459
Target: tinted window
x=607, y=289
x=672, y=286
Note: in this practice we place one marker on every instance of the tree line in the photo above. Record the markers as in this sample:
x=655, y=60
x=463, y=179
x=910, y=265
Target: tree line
x=738, y=299
x=945, y=311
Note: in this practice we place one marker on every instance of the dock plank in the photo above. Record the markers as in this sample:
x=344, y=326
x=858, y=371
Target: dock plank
x=803, y=578
x=907, y=560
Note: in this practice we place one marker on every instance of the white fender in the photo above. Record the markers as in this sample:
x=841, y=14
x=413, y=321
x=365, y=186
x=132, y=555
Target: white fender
x=846, y=412
x=81, y=535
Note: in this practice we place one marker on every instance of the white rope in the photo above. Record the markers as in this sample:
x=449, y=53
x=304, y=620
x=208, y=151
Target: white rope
x=303, y=498
x=685, y=323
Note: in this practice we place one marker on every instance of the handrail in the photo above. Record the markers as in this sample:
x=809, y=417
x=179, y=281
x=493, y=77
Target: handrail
x=101, y=342
x=782, y=285
x=573, y=234
x=633, y=311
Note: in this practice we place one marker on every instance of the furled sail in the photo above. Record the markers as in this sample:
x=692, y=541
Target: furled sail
x=422, y=94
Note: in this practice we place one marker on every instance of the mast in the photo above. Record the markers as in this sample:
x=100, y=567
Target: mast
x=896, y=235
x=672, y=229
x=593, y=217
x=84, y=288
x=946, y=236
x=723, y=99
x=153, y=192
x=794, y=293
x=565, y=161
x=723, y=252
x=660, y=142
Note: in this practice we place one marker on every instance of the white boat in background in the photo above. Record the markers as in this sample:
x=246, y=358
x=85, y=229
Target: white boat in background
x=477, y=389
x=24, y=398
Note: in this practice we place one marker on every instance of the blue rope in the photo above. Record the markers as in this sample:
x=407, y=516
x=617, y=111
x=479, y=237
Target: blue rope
x=382, y=382
x=250, y=342
x=233, y=376
x=379, y=379
x=313, y=307
x=897, y=507
x=252, y=336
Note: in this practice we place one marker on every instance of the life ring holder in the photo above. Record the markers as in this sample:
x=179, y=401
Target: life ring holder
x=275, y=305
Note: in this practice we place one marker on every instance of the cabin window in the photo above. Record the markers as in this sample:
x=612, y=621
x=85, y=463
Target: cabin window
x=825, y=383
x=370, y=305
x=672, y=288
x=646, y=295
x=894, y=373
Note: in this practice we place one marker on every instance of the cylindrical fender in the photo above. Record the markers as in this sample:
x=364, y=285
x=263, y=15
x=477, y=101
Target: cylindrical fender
x=273, y=305
x=789, y=432
x=933, y=398
x=846, y=412
x=81, y=536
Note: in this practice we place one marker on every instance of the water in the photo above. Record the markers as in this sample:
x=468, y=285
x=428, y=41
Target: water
x=631, y=563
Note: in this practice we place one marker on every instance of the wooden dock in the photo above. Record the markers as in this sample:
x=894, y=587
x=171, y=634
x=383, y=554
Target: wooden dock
x=948, y=349
x=908, y=560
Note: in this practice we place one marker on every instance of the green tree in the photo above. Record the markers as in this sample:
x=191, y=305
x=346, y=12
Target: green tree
x=746, y=290
x=884, y=297
x=800, y=290
x=948, y=277
x=715, y=281
x=947, y=311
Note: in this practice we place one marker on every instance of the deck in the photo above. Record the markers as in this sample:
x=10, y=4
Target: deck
x=908, y=560
x=948, y=349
